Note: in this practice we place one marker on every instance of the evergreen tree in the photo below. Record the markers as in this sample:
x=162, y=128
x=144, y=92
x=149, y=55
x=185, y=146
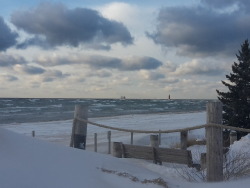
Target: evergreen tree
x=236, y=102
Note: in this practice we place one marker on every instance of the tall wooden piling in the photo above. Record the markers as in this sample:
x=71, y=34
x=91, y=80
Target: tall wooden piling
x=33, y=133
x=233, y=137
x=131, y=138
x=117, y=149
x=79, y=128
x=154, y=141
x=184, y=139
x=109, y=142
x=159, y=137
x=95, y=142
x=214, y=138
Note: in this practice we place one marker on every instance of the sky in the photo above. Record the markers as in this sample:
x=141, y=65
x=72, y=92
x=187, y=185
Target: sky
x=109, y=49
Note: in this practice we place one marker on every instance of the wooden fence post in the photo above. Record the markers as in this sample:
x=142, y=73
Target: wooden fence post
x=203, y=161
x=117, y=149
x=109, y=142
x=95, y=142
x=132, y=138
x=33, y=133
x=159, y=137
x=233, y=137
x=184, y=138
x=154, y=142
x=214, y=138
x=79, y=129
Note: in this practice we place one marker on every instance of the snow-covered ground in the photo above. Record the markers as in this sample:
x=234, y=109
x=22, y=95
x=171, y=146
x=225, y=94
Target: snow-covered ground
x=47, y=161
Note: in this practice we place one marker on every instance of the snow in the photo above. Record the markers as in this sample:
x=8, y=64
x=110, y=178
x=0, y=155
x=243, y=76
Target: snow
x=47, y=161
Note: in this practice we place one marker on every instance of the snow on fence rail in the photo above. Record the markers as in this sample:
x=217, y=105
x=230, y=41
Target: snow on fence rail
x=214, y=137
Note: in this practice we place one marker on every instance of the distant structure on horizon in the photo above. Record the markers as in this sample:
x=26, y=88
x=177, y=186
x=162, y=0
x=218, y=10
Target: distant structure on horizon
x=169, y=97
x=123, y=98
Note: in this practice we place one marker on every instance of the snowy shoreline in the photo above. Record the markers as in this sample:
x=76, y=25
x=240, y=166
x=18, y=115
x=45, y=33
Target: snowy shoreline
x=35, y=162
x=60, y=131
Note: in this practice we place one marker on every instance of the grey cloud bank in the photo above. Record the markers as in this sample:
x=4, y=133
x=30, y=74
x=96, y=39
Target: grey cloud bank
x=102, y=62
x=33, y=70
x=201, y=31
x=62, y=26
x=67, y=50
x=11, y=60
x=8, y=38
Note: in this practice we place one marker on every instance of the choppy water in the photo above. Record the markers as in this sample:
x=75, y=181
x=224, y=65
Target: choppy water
x=19, y=110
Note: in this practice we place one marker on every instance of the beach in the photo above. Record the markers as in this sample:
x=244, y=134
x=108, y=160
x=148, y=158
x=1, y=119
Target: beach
x=60, y=131
x=47, y=160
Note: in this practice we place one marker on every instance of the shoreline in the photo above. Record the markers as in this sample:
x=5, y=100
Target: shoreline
x=101, y=117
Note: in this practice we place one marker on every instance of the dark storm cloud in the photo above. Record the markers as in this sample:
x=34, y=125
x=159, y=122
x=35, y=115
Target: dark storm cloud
x=241, y=4
x=103, y=62
x=62, y=26
x=220, y=3
x=9, y=60
x=201, y=31
x=7, y=37
x=35, y=41
x=33, y=70
x=126, y=64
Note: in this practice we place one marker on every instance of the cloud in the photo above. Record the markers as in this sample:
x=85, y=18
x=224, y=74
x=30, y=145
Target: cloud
x=62, y=26
x=34, y=41
x=201, y=30
x=103, y=62
x=8, y=78
x=7, y=37
x=222, y=4
x=52, y=75
x=33, y=70
x=11, y=60
x=151, y=75
x=138, y=63
x=196, y=67
x=100, y=74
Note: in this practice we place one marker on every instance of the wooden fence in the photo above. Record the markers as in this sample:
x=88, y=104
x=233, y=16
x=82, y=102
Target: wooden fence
x=158, y=155
x=214, y=141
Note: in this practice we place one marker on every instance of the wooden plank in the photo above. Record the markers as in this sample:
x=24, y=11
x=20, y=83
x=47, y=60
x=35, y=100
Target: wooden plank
x=158, y=154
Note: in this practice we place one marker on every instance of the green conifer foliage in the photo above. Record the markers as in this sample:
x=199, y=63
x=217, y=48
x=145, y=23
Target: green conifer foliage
x=236, y=102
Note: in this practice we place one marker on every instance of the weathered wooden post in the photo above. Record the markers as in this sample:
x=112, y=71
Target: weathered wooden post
x=117, y=149
x=214, y=157
x=95, y=142
x=203, y=161
x=132, y=138
x=159, y=136
x=79, y=129
x=109, y=142
x=154, y=142
x=233, y=137
x=184, y=138
x=33, y=133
